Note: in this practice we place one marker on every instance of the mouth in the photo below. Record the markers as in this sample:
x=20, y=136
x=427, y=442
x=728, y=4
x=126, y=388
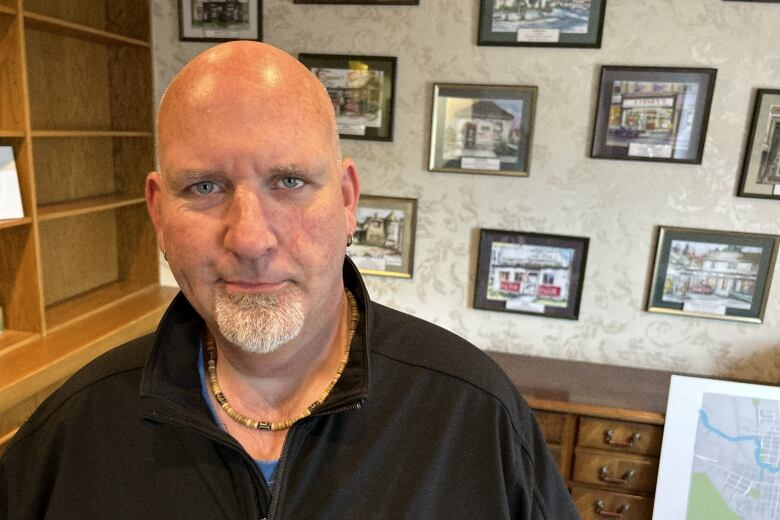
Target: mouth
x=239, y=285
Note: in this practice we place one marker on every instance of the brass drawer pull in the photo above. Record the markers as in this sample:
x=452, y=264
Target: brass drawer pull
x=627, y=476
x=632, y=439
x=600, y=510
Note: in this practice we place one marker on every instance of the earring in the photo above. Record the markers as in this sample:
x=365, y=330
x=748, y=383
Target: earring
x=165, y=254
x=349, y=240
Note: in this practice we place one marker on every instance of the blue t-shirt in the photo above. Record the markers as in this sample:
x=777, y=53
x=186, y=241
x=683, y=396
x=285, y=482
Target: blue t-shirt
x=267, y=467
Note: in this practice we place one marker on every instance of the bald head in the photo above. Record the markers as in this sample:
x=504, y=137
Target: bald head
x=243, y=82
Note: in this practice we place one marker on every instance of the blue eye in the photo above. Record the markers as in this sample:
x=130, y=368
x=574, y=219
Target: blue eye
x=205, y=188
x=291, y=182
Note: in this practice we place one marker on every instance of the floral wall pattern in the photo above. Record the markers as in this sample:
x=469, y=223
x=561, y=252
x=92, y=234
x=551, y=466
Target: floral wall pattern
x=618, y=204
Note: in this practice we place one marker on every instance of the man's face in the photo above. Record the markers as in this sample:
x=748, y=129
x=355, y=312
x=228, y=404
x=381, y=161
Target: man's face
x=252, y=204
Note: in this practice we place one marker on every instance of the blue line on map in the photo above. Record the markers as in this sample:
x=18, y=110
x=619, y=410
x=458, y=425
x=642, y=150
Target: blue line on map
x=755, y=439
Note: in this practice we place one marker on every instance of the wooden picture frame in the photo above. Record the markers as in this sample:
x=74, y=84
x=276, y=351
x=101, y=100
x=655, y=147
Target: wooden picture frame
x=521, y=23
x=652, y=113
x=383, y=242
x=760, y=176
x=484, y=129
x=530, y=273
x=362, y=90
x=209, y=21
x=712, y=274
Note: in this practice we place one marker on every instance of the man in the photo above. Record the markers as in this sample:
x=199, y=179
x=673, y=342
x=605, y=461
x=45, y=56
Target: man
x=273, y=387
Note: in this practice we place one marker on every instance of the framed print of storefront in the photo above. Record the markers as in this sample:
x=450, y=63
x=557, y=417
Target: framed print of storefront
x=761, y=164
x=530, y=273
x=652, y=113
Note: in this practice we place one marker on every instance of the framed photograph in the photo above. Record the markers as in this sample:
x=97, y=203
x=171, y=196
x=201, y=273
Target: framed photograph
x=719, y=454
x=652, y=113
x=383, y=243
x=530, y=273
x=541, y=23
x=359, y=2
x=761, y=164
x=362, y=90
x=482, y=129
x=220, y=20
x=712, y=274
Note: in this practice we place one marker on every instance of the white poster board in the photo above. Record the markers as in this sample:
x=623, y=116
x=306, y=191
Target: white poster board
x=10, y=197
x=720, y=457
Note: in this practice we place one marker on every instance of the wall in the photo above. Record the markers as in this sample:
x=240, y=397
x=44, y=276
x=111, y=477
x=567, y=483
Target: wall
x=617, y=204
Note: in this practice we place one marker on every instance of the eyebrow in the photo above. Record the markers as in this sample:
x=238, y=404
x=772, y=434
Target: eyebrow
x=196, y=175
x=294, y=170
x=177, y=178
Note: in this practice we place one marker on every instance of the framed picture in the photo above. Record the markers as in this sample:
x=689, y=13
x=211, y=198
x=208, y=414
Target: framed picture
x=482, y=129
x=761, y=164
x=530, y=273
x=359, y=2
x=567, y=23
x=652, y=113
x=383, y=243
x=712, y=274
x=719, y=454
x=221, y=20
x=362, y=90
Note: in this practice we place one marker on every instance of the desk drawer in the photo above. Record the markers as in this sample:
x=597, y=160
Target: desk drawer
x=593, y=504
x=619, y=472
x=551, y=424
x=626, y=437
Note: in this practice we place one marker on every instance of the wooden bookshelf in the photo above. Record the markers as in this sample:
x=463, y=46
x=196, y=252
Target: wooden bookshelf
x=78, y=274
x=48, y=23
x=14, y=222
x=72, y=208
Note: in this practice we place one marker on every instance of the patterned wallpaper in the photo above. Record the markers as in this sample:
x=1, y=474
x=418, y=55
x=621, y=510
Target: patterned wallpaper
x=618, y=204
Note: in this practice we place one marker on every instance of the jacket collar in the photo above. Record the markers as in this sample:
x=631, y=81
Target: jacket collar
x=170, y=385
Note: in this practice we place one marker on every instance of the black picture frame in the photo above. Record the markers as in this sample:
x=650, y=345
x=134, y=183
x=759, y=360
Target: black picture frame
x=530, y=273
x=209, y=21
x=383, y=242
x=652, y=113
x=362, y=89
x=712, y=274
x=359, y=2
x=760, y=174
x=486, y=129
x=516, y=23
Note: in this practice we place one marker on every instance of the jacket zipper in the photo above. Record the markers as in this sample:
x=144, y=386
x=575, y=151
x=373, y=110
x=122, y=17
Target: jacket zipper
x=283, y=458
x=278, y=474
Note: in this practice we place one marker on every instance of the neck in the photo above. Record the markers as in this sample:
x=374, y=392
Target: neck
x=280, y=384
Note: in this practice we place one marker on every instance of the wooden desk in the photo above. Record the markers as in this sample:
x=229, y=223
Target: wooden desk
x=604, y=426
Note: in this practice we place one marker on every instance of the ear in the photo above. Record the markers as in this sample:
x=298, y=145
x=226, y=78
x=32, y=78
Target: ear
x=153, y=192
x=350, y=191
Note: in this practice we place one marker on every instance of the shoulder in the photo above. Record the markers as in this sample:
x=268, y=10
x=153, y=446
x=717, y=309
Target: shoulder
x=117, y=368
x=414, y=342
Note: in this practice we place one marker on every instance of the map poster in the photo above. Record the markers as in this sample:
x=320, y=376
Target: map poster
x=720, y=458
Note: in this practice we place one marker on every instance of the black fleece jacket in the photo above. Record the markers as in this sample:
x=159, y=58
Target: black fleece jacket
x=421, y=425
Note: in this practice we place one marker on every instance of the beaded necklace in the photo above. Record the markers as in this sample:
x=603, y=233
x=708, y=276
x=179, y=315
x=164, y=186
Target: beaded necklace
x=211, y=360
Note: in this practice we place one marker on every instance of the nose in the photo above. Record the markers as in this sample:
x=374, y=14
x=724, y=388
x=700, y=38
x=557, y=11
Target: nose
x=249, y=232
